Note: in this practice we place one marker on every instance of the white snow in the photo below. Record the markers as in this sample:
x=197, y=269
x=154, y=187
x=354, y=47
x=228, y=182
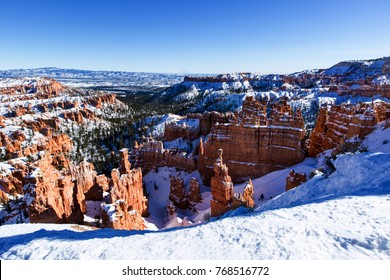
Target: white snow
x=158, y=187
x=378, y=140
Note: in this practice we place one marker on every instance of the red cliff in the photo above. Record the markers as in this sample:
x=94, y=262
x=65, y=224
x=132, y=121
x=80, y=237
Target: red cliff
x=221, y=188
x=341, y=122
x=253, y=144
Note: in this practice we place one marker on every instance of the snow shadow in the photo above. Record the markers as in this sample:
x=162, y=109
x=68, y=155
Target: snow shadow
x=8, y=242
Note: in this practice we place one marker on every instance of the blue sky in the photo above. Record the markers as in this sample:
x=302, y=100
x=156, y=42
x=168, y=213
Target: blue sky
x=196, y=36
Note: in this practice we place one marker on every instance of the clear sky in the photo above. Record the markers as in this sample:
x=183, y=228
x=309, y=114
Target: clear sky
x=198, y=36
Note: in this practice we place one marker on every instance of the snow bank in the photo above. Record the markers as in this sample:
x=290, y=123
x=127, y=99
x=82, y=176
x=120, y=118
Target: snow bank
x=356, y=174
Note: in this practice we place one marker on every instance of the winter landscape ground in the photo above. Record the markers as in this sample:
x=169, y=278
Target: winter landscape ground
x=117, y=165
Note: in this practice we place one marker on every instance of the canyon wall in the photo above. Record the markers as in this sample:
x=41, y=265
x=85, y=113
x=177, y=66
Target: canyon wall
x=339, y=122
x=253, y=144
x=151, y=154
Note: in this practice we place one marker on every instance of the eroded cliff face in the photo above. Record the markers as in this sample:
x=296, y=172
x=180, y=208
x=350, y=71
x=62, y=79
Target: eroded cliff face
x=126, y=202
x=221, y=188
x=51, y=196
x=151, y=154
x=340, y=122
x=253, y=144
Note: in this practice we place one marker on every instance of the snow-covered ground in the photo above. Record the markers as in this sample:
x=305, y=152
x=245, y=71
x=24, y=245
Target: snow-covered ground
x=343, y=216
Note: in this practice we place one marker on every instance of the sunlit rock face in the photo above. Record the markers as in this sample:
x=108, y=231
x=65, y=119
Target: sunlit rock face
x=253, y=143
x=340, y=122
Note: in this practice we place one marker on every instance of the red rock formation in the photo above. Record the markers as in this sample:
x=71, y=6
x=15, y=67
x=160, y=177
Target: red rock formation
x=52, y=197
x=246, y=199
x=41, y=88
x=41, y=125
x=10, y=146
x=124, y=165
x=128, y=187
x=254, y=145
x=318, y=134
x=194, y=195
x=209, y=119
x=249, y=195
x=86, y=178
x=150, y=155
x=18, y=111
x=75, y=116
x=19, y=136
x=60, y=143
x=341, y=122
x=294, y=179
x=2, y=124
x=98, y=100
x=11, y=184
x=3, y=198
x=221, y=188
x=118, y=216
x=180, y=129
x=102, y=182
x=177, y=193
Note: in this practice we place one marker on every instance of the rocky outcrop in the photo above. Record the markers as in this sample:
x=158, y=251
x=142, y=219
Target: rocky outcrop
x=342, y=122
x=248, y=195
x=194, y=195
x=2, y=124
x=209, y=119
x=74, y=116
x=124, y=165
x=129, y=188
x=85, y=177
x=44, y=86
x=52, y=197
x=246, y=199
x=98, y=100
x=221, y=188
x=102, y=183
x=294, y=179
x=177, y=193
x=3, y=198
x=187, y=129
x=118, y=216
x=126, y=199
x=253, y=144
x=43, y=124
x=151, y=154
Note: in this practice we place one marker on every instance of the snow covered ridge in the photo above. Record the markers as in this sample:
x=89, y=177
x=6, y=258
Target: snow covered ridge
x=87, y=78
x=31, y=82
x=346, y=81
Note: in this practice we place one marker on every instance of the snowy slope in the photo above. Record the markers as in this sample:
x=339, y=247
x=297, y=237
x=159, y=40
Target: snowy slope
x=344, y=216
x=346, y=228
